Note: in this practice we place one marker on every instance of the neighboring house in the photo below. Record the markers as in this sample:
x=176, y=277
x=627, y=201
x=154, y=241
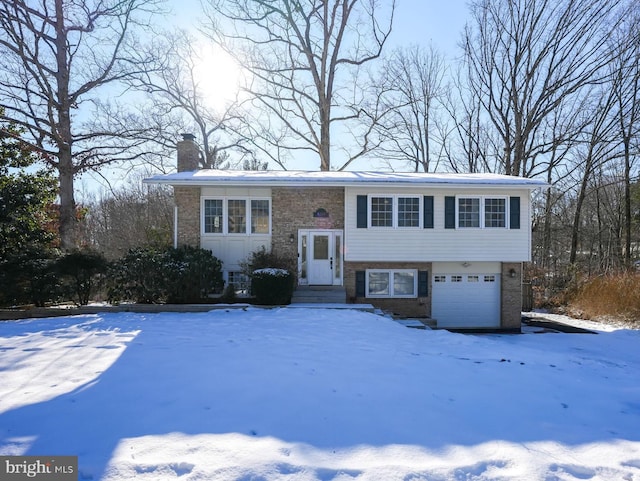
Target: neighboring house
x=444, y=246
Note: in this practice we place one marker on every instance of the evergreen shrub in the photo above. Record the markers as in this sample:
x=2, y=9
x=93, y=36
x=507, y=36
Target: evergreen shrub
x=272, y=286
x=149, y=275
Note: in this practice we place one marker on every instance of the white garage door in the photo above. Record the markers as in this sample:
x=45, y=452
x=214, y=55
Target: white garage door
x=466, y=300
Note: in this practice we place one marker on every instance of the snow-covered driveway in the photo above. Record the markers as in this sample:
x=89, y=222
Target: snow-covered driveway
x=304, y=394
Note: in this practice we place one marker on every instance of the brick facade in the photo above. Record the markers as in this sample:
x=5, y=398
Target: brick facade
x=187, y=199
x=511, y=296
x=293, y=208
x=417, y=307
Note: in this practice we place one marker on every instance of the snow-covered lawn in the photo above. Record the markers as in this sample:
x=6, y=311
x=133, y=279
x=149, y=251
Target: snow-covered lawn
x=305, y=394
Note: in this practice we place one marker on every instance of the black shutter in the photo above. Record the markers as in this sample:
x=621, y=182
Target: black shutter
x=449, y=212
x=428, y=212
x=514, y=212
x=360, y=284
x=423, y=283
x=361, y=222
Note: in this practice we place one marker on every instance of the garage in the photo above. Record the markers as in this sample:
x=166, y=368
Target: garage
x=469, y=300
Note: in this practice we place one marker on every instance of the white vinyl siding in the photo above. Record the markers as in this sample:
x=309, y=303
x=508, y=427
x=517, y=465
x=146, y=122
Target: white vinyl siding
x=437, y=244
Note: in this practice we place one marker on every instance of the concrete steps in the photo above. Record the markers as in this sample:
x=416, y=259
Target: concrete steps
x=319, y=295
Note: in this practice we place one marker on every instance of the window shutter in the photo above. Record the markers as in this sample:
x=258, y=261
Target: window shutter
x=423, y=283
x=428, y=212
x=360, y=284
x=449, y=212
x=514, y=212
x=361, y=215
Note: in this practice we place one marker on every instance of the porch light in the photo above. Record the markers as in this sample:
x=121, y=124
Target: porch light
x=512, y=273
x=292, y=238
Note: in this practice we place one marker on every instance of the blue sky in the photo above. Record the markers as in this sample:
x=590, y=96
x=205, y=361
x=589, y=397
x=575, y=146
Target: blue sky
x=415, y=22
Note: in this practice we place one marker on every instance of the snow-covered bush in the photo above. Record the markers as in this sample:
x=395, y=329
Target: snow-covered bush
x=272, y=286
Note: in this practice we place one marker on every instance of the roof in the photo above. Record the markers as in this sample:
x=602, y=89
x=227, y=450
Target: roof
x=211, y=177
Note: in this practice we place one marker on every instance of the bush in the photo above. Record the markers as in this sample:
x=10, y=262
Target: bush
x=613, y=295
x=272, y=286
x=29, y=278
x=148, y=275
x=83, y=268
x=261, y=259
x=192, y=275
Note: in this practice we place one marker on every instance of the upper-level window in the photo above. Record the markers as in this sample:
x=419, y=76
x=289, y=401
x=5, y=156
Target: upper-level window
x=482, y=212
x=213, y=220
x=394, y=211
x=408, y=212
x=495, y=212
x=236, y=216
x=468, y=212
x=259, y=216
x=381, y=211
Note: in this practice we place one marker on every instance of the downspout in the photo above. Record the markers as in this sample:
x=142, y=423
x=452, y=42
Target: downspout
x=175, y=227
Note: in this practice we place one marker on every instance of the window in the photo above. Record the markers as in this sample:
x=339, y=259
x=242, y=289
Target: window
x=439, y=278
x=378, y=284
x=408, y=212
x=236, y=216
x=381, y=211
x=395, y=211
x=495, y=212
x=468, y=212
x=489, y=278
x=259, y=216
x=456, y=278
x=473, y=279
x=392, y=283
x=482, y=212
x=213, y=216
x=239, y=281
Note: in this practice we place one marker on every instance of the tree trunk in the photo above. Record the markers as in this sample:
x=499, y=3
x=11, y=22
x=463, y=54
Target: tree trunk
x=575, y=228
x=325, y=136
x=65, y=158
x=627, y=204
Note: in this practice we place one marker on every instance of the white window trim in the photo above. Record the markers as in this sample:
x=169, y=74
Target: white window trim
x=391, y=294
x=394, y=211
x=482, y=198
x=225, y=216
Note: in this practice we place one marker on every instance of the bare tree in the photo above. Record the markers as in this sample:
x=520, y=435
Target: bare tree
x=129, y=217
x=525, y=57
x=303, y=58
x=59, y=55
x=175, y=89
x=599, y=146
x=626, y=87
x=412, y=86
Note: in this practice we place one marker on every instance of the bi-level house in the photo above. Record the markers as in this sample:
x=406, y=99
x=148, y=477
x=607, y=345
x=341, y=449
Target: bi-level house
x=449, y=247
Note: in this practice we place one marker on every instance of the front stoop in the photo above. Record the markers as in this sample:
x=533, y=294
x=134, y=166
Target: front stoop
x=326, y=297
x=319, y=295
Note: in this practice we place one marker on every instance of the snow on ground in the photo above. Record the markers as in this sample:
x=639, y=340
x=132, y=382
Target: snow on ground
x=317, y=394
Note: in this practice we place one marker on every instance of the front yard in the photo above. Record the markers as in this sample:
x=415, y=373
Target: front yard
x=304, y=394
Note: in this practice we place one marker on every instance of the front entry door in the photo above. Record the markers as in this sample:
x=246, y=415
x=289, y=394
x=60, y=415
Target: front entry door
x=321, y=258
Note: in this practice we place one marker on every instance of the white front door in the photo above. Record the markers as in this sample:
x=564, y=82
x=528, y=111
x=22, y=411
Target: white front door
x=322, y=252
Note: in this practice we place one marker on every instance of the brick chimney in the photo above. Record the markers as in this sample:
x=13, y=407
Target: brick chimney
x=188, y=153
